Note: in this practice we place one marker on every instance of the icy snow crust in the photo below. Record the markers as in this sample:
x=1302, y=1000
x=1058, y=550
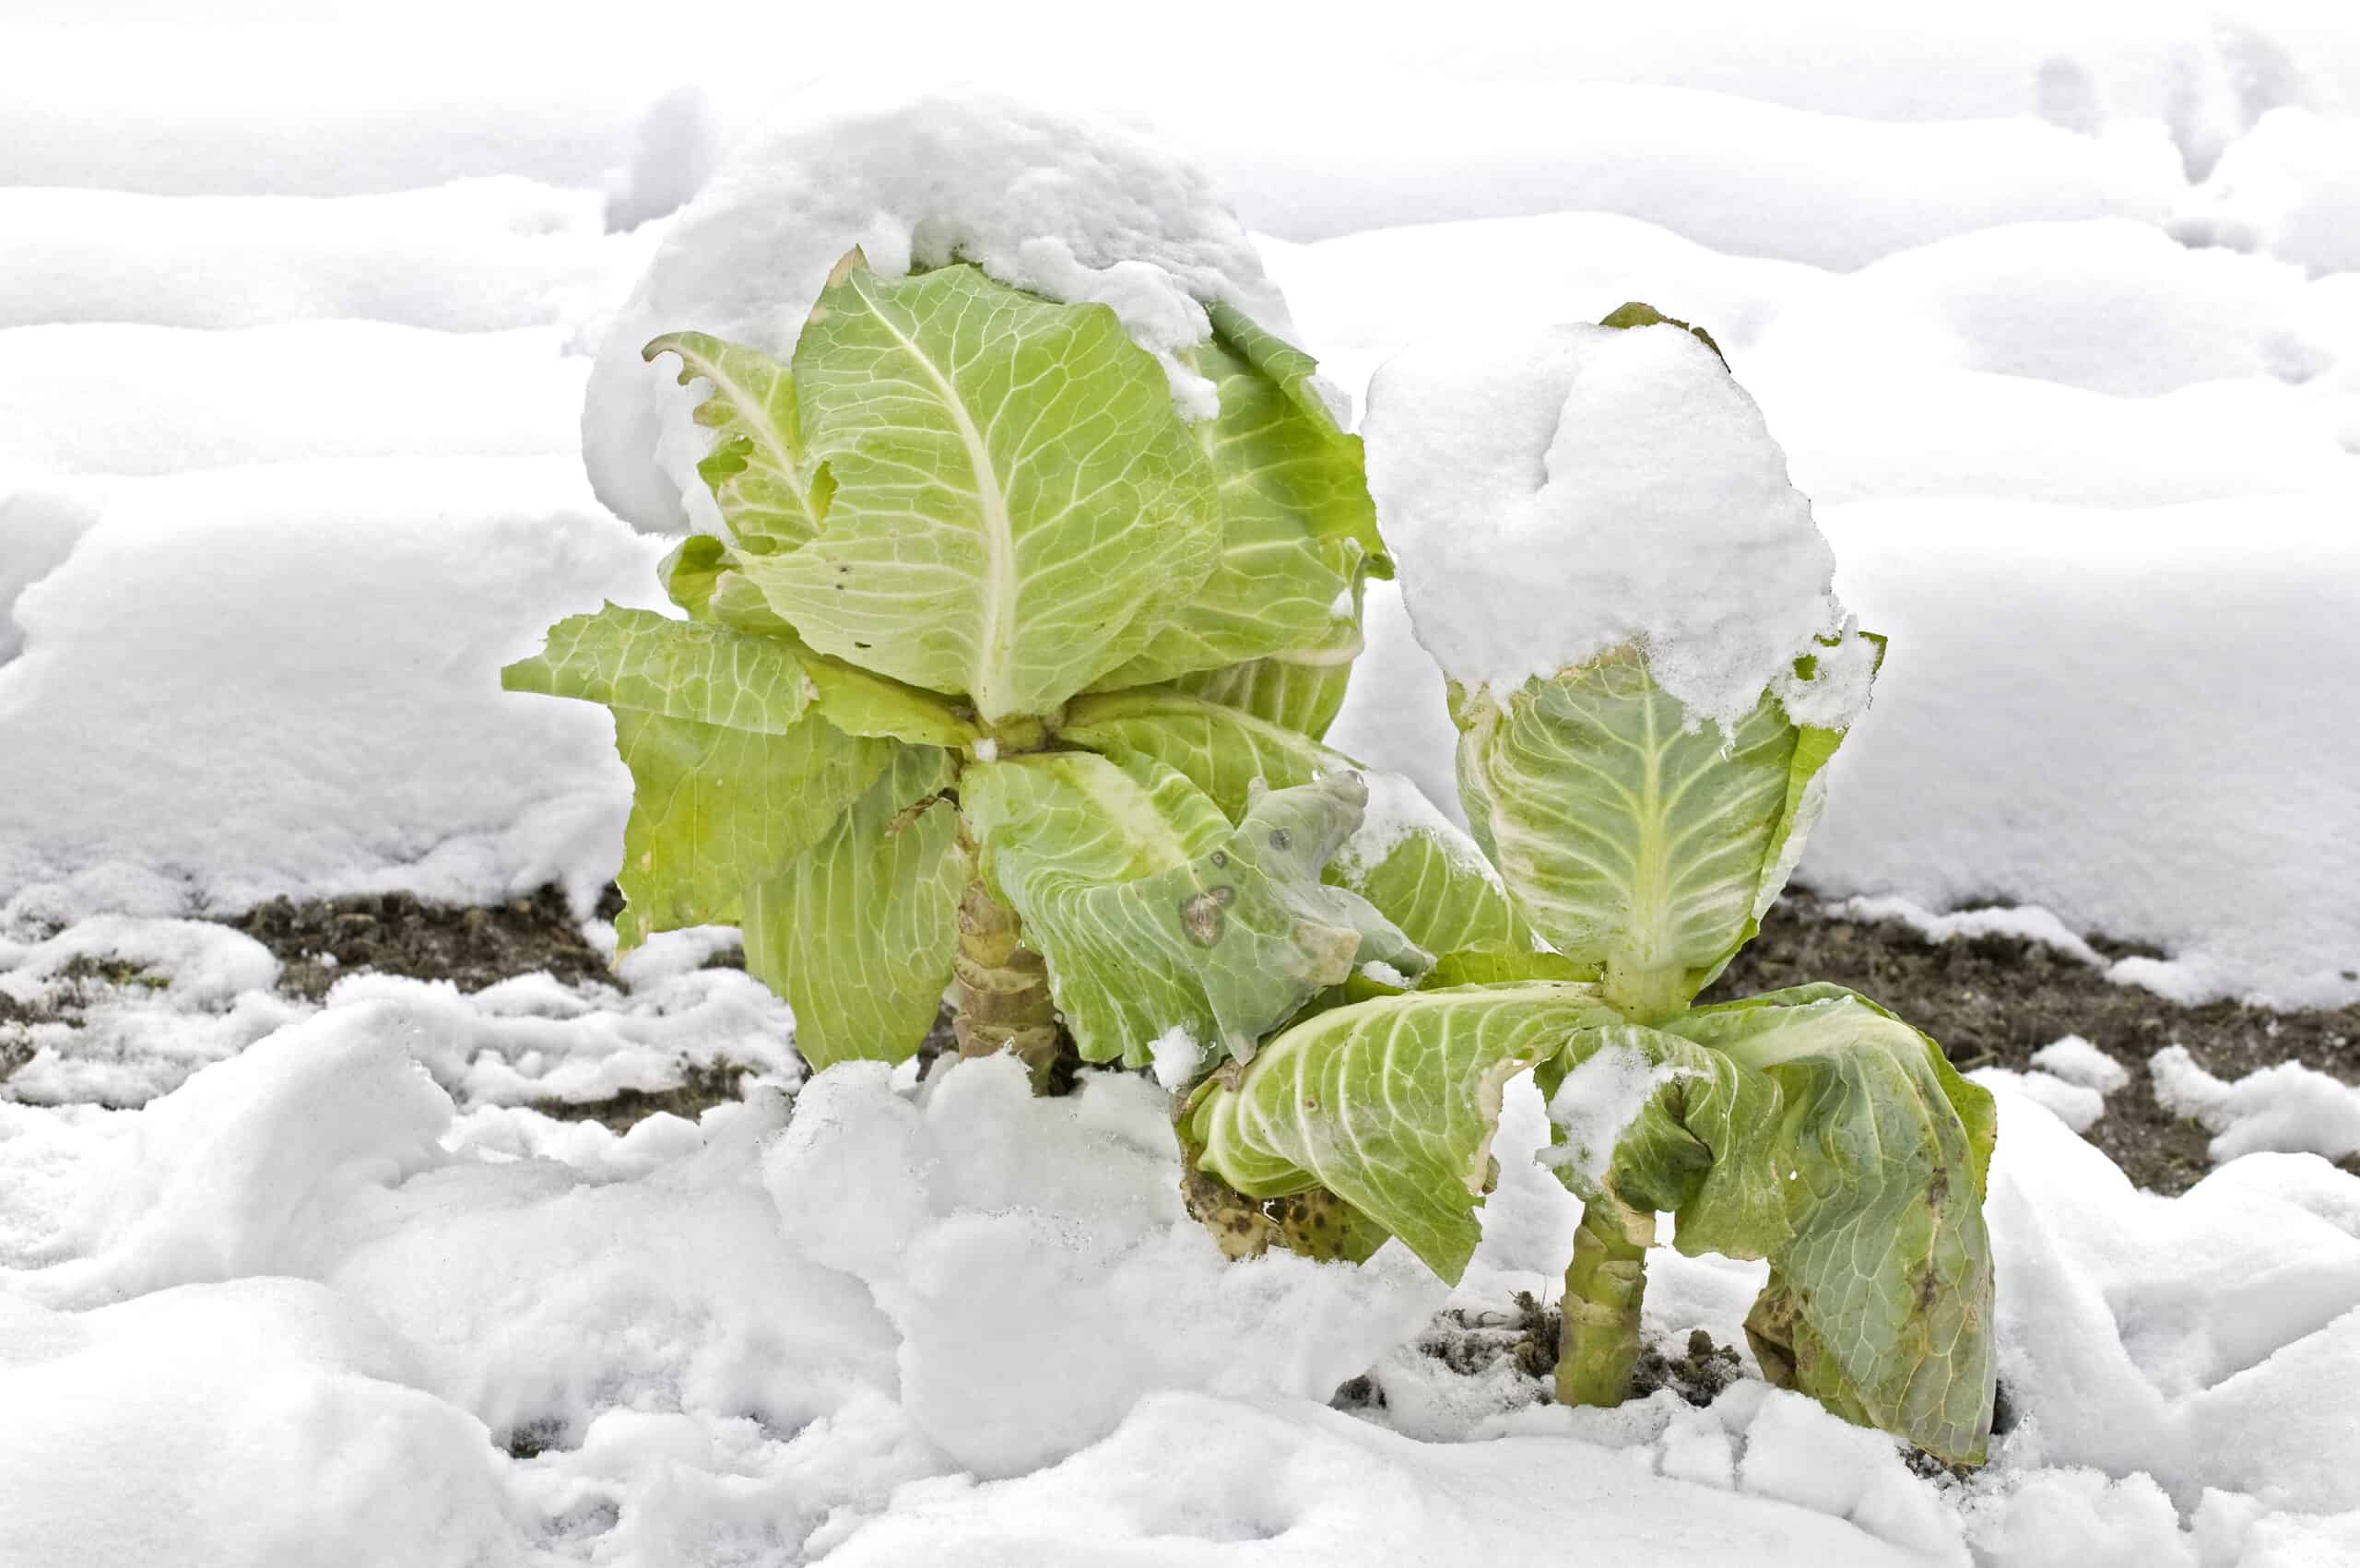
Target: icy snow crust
x=1559, y=493
x=1073, y=208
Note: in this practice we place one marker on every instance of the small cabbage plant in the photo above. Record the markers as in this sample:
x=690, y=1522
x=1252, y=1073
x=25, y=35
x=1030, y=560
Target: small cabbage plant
x=1006, y=678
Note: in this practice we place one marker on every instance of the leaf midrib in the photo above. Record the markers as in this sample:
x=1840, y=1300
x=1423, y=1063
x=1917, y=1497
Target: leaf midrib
x=999, y=597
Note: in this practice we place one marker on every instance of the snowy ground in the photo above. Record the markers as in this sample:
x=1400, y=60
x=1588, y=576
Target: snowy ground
x=2065, y=340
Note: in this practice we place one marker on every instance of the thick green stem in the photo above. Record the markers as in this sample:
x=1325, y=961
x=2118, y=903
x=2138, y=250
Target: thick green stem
x=1004, y=1001
x=1603, y=1289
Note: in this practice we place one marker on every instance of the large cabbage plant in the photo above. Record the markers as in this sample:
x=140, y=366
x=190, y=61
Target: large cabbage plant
x=1008, y=680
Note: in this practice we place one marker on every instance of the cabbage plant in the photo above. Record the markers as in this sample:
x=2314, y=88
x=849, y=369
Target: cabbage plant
x=1006, y=678
x=981, y=590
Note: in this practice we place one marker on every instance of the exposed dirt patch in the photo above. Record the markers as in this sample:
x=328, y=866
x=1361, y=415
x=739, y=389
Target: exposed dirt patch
x=1698, y=1374
x=700, y=1089
x=1992, y=1001
x=320, y=941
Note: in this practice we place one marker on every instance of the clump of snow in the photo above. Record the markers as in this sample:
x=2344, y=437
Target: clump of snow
x=1036, y=1259
x=2287, y=1107
x=1069, y=206
x=1561, y=494
x=2077, y=1105
x=1396, y=811
x=151, y=1001
x=1602, y=1095
x=1175, y=1055
x=2075, y=1060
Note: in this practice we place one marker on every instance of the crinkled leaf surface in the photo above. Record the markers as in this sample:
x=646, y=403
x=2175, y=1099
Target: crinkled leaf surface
x=1426, y=876
x=772, y=490
x=855, y=700
x=1303, y=697
x=1814, y=1129
x=1018, y=505
x=1154, y=914
x=1283, y=476
x=1630, y=841
x=732, y=776
x=658, y=664
x=1285, y=454
x=859, y=934
x=714, y=808
x=1390, y=1105
x=1311, y=465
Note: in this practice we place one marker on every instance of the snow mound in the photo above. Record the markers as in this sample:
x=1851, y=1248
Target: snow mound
x=1744, y=177
x=472, y=255
x=1071, y=207
x=261, y=1421
x=1035, y=1258
x=1554, y=496
x=295, y=673
x=2286, y=1108
x=109, y=397
x=2193, y=1339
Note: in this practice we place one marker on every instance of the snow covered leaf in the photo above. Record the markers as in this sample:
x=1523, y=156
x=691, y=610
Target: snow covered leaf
x=1155, y=916
x=1390, y=1105
x=1423, y=874
x=1018, y=503
x=773, y=492
x=1630, y=839
x=1812, y=1129
x=859, y=933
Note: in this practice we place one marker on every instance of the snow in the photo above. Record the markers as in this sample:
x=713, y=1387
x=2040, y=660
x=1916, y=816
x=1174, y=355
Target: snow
x=1553, y=497
x=2286, y=1107
x=111, y=398
x=2053, y=312
x=2078, y=1106
x=299, y=664
x=1396, y=811
x=949, y=1322
x=1602, y=1095
x=471, y=255
x=2075, y=1060
x=2200, y=1341
x=1175, y=1056
x=1079, y=209
x=1038, y=1266
x=2289, y=188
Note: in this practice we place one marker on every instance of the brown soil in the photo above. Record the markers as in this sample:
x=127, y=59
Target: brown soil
x=317, y=943
x=1989, y=1000
x=1992, y=1001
